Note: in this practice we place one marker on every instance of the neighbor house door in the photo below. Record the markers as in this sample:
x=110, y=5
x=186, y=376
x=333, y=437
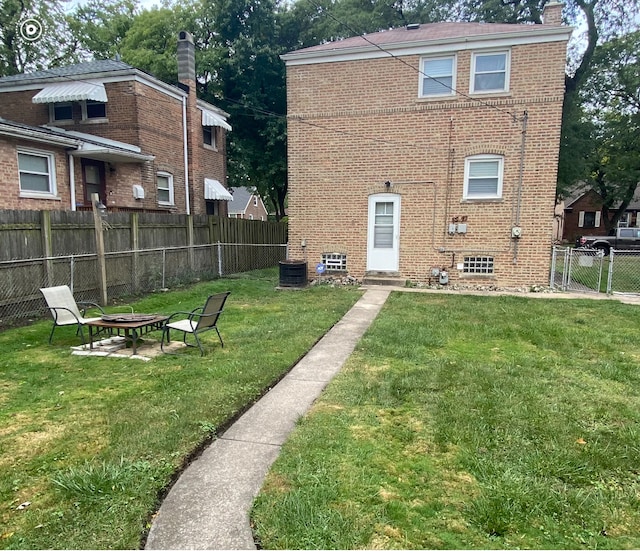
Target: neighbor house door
x=94, y=180
x=383, y=249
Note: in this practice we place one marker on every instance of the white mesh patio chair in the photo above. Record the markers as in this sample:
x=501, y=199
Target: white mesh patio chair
x=198, y=321
x=66, y=311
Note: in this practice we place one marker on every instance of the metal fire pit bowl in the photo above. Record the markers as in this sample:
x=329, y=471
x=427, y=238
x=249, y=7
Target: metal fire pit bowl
x=128, y=318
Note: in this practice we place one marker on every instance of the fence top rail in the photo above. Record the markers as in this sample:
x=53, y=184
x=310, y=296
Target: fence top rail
x=139, y=251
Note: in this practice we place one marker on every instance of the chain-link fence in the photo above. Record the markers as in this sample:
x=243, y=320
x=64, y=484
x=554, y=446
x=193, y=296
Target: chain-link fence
x=129, y=273
x=589, y=270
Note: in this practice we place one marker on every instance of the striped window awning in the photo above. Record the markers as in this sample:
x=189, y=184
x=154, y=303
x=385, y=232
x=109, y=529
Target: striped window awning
x=214, y=190
x=212, y=119
x=71, y=92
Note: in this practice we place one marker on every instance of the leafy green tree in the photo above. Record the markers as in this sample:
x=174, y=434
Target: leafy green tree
x=611, y=96
x=100, y=27
x=34, y=34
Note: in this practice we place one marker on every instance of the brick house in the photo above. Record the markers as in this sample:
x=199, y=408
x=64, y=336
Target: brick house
x=583, y=214
x=106, y=127
x=428, y=152
x=247, y=204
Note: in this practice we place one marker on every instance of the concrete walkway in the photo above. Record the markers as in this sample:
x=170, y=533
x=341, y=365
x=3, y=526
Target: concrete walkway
x=208, y=507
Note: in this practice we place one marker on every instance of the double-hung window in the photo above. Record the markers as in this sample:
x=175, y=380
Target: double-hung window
x=37, y=173
x=165, y=189
x=483, y=177
x=209, y=135
x=437, y=76
x=490, y=72
x=94, y=110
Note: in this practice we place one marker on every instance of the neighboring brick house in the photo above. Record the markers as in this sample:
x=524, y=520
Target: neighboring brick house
x=247, y=204
x=133, y=139
x=410, y=154
x=583, y=214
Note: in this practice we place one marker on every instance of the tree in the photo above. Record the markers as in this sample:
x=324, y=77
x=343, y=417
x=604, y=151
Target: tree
x=100, y=27
x=34, y=34
x=611, y=96
x=249, y=84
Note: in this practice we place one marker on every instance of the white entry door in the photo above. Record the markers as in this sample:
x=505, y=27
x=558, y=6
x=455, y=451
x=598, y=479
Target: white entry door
x=383, y=248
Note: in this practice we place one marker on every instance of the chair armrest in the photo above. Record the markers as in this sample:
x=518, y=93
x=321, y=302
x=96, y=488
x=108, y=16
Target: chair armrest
x=174, y=314
x=56, y=308
x=84, y=306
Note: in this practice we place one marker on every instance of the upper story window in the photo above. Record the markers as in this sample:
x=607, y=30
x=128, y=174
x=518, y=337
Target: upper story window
x=94, y=110
x=209, y=135
x=61, y=111
x=483, y=177
x=37, y=173
x=437, y=76
x=490, y=72
x=165, y=189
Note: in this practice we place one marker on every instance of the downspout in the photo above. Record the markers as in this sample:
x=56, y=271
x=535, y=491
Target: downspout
x=72, y=182
x=523, y=146
x=186, y=154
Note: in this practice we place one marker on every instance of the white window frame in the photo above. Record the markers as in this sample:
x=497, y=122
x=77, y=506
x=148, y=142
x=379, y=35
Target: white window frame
x=424, y=74
x=85, y=117
x=507, y=71
x=483, y=158
x=169, y=187
x=51, y=173
x=214, y=138
x=52, y=112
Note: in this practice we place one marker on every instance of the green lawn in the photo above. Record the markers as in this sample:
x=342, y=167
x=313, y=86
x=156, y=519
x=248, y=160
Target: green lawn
x=467, y=422
x=87, y=445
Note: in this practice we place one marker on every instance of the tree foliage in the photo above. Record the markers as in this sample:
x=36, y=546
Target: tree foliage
x=24, y=48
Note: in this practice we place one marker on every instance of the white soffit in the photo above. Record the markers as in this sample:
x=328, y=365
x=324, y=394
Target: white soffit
x=213, y=190
x=71, y=92
x=212, y=119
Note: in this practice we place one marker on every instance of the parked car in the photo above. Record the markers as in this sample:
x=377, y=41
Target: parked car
x=622, y=238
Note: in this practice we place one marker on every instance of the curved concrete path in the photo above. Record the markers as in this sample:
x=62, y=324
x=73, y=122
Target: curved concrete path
x=208, y=507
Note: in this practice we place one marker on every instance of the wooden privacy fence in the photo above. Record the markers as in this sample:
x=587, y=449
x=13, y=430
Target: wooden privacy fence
x=143, y=253
x=32, y=234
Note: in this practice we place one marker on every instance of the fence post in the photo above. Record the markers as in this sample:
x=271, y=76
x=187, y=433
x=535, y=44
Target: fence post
x=164, y=266
x=190, y=241
x=135, y=246
x=45, y=235
x=219, y=259
x=610, y=276
x=102, y=266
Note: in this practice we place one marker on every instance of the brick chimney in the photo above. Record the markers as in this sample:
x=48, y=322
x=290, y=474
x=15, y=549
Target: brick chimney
x=187, y=80
x=552, y=13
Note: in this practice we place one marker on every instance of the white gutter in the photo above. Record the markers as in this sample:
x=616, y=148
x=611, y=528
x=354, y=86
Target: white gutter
x=72, y=182
x=186, y=154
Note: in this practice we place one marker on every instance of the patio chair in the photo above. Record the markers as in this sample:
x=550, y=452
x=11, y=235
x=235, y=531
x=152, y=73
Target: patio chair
x=198, y=321
x=66, y=311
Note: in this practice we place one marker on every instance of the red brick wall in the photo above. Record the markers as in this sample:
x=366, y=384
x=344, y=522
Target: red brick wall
x=9, y=180
x=354, y=125
x=140, y=115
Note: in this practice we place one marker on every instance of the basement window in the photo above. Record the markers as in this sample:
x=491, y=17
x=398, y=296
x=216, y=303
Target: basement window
x=478, y=265
x=334, y=261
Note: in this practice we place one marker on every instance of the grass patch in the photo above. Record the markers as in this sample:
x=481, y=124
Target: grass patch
x=465, y=422
x=88, y=444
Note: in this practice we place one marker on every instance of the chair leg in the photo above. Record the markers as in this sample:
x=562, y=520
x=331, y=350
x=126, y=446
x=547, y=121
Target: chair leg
x=199, y=345
x=51, y=335
x=165, y=331
x=221, y=343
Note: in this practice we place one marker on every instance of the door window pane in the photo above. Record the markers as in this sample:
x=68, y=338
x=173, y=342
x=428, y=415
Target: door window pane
x=383, y=226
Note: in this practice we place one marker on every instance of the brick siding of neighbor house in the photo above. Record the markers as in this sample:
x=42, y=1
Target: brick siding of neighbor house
x=258, y=212
x=137, y=114
x=355, y=124
x=10, y=192
x=589, y=202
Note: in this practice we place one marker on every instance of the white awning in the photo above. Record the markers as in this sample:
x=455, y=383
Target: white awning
x=213, y=190
x=212, y=119
x=71, y=92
